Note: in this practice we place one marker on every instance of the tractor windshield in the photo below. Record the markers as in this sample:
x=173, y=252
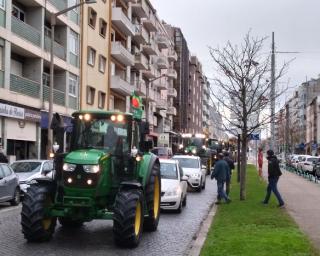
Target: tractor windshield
x=109, y=134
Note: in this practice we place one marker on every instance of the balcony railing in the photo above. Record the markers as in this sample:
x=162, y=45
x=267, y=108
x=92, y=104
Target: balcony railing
x=121, y=86
x=121, y=53
x=162, y=41
x=173, y=56
x=172, y=73
x=150, y=22
x=59, y=4
x=1, y=78
x=74, y=17
x=150, y=72
x=161, y=104
x=24, y=86
x=73, y=102
x=150, y=47
x=141, y=62
x=162, y=62
x=122, y=22
x=58, y=96
x=172, y=92
x=140, y=8
x=25, y=31
x=172, y=111
x=73, y=59
x=141, y=35
x=58, y=49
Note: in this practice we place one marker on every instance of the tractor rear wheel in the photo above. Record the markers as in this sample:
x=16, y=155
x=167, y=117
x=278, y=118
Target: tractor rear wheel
x=153, y=197
x=128, y=218
x=69, y=223
x=37, y=226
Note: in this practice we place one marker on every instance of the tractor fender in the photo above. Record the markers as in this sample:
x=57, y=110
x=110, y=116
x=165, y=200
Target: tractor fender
x=130, y=184
x=145, y=169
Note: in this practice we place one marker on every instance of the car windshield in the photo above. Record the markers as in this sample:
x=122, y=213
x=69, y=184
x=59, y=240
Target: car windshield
x=20, y=167
x=107, y=133
x=168, y=171
x=188, y=162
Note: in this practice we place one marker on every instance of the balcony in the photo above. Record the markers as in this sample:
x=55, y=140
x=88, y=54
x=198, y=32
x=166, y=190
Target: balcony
x=173, y=56
x=58, y=96
x=25, y=31
x=161, y=62
x=121, y=86
x=140, y=8
x=59, y=4
x=141, y=88
x=141, y=62
x=149, y=48
x=172, y=111
x=120, y=53
x=172, y=73
x=150, y=72
x=150, y=23
x=162, y=41
x=161, y=83
x=161, y=104
x=58, y=50
x=24, y=86
x=122, y=22
x=141, y=35
x=172, y=93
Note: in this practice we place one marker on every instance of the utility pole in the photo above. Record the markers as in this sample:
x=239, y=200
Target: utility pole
x=272, y=93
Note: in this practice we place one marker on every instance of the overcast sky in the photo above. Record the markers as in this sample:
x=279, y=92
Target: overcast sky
x=296, y=24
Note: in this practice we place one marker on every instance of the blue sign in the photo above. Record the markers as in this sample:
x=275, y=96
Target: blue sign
x=254, y=136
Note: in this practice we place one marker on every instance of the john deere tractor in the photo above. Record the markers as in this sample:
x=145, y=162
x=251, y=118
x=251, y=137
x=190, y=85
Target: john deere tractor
x=108, y=174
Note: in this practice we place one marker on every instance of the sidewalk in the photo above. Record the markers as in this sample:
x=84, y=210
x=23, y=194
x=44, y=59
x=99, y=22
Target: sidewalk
x=302, y=201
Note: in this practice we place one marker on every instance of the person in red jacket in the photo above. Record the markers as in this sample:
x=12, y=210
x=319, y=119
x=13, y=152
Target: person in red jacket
x=260, y=161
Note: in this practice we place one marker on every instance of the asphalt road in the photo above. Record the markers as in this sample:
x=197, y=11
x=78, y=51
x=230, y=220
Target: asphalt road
x=173, y=237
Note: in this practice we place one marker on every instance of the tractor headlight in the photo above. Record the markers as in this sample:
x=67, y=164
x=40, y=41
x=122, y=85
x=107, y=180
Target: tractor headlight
x=181, y=146
x=91, y=168
x=185, y=151
x=204, y=147
x=194, y=151
x=69, y=167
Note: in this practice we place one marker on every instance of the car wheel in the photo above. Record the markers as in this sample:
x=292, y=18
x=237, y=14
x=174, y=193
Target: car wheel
x=16, y=197
x=200, y=186
x=184, y=202
x=179, y=210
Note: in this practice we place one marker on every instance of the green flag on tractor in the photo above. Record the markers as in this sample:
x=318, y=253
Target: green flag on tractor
x=136, y=106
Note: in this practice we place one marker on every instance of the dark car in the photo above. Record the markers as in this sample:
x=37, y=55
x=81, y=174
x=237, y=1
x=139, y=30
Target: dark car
x=9, y=185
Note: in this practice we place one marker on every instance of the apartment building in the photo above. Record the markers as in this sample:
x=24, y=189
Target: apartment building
x=25, y=34
x=205, y=105
x=95, y=54
x=313, y=126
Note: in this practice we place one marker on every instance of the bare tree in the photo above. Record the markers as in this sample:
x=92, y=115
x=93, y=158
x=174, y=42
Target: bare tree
x=242, y=87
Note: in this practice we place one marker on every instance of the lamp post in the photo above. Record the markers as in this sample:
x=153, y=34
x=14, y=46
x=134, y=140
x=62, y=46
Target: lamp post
x=53, y=23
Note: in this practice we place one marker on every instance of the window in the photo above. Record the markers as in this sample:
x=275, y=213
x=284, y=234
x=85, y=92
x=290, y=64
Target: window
x=91, y=56
x=101, y=100
x=90, y=95
x=18, y=13
x=92, y=17
x=74, y=42
x=102, y=64
x=2, y=4
x=102, y=28
x=73, y=85
x=47, y=31
x=1, y=58
x=46, y=79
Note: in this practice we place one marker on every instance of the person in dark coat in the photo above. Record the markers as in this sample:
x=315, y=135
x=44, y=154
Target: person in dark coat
x=230, y=162
x=221, y=173
x=3, y=157
x=274, y=174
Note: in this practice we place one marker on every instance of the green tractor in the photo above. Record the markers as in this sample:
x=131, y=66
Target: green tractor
x=108, y=174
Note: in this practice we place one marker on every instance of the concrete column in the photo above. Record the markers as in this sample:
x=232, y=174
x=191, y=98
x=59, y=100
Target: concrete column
x=38, y=142
x=7, y=64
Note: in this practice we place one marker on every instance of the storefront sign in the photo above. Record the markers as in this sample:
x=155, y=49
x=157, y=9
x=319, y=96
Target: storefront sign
x=163, y=139
x=32, y=115
x=11, y=111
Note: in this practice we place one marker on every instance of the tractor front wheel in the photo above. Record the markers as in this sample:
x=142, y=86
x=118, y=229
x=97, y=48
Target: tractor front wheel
x=153, y=197
x=37, y=225
x=128, y=218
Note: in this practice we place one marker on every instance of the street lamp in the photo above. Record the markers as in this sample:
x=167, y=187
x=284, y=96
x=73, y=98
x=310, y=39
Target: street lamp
x=53, y=23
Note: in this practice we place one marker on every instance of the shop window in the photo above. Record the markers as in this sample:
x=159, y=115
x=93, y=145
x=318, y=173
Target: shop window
x=102, y=28
x=102, y=64
x=101, y=100
x=91, y=56
x=90, y=95
x=92, y=17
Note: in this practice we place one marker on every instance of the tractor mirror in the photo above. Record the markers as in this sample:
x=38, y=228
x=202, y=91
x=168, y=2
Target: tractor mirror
x=145, y=146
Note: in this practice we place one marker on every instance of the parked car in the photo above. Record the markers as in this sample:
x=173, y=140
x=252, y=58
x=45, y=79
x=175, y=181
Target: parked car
x=193, y=169
x=296, y=159
x=173, y=186
x=9, y=185
x=162, y=152
x=28, y=170
x=307, y=163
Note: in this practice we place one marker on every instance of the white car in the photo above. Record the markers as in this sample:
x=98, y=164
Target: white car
x=173, y=186
x=28, y=170
x=193, y=169
x=296, y=160
x=307, y=163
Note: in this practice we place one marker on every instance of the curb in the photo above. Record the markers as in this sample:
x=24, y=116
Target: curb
x=200, y=237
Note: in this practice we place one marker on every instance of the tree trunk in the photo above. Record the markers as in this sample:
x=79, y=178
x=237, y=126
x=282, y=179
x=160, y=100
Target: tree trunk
x=243, y=167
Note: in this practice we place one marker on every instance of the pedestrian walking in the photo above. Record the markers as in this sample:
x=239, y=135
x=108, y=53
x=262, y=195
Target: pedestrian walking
x=220, y=173
x=3, y=157
x=274, y=174
x=230, y=162
x=260, y=162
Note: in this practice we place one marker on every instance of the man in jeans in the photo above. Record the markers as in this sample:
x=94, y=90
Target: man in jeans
x=221, y=173
x=274, y=173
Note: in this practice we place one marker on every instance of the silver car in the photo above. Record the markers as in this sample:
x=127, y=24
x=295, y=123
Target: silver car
x=28, y=170
x=9, y=185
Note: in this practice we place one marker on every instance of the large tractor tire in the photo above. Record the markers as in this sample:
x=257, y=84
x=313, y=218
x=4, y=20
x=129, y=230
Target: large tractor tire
x=36, y=226
x=128, y=218
x=153, y=198
x=69, y=223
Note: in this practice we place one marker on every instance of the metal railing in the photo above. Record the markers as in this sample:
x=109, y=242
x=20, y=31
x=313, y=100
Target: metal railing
x=74, y=59
x=73, y=102
x=59, y=4
x=58, y=96
x=25, y=31
x=58, y=49
x=24, y=86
